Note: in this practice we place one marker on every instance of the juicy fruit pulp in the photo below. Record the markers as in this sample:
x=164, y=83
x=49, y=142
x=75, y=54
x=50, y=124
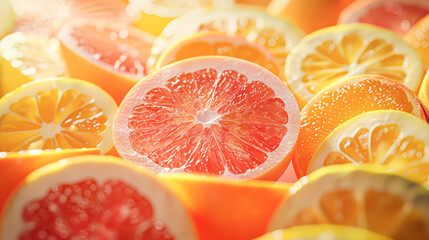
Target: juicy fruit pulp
x=221, y=120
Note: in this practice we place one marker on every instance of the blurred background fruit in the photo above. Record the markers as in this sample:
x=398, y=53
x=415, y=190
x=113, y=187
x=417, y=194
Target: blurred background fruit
x=8, y=17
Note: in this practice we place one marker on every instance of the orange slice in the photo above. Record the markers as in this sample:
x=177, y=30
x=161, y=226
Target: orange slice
x=56, y=113
x=418, y=37
x=109, y=54
x=15, y=166
x=322, y=231
x=385, y=137
x=25, y=57
x=73, y=199
x=362, y=197
x=396, y=15
x=209, y=115
x=340, y=102
x=225, y=209
x=213, y=43
x=333, y=54
x=276, y=34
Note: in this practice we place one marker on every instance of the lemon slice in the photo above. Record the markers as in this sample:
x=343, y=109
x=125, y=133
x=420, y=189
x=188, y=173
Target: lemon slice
x=25, y=57
x=56, y=113
x=336, y=53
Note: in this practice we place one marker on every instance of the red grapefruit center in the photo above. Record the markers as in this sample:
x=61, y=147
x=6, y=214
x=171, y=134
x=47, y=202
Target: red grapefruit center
x=88, y=210
x=119, y=48
x=209, y=122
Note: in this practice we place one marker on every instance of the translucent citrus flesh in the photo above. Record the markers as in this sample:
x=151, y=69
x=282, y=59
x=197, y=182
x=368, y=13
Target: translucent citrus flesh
x=88, y=209
x=373, y=208
x=201, y=122
x=418, y=37
x=52, y=119
x=351, y=98
x=202, y=46
x=120, y=49
x=249, y=28
x=396, y=16
x=353, y=55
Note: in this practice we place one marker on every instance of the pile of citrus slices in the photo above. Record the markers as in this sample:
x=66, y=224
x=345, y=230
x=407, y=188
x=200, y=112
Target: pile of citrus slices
x=214, y=119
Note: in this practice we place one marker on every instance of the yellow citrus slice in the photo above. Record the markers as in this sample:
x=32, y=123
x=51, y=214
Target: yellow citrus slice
x=424, y=91
x=362, y=197
x=8, y=17
x=321, y=232
x=25, y=57
x=332, y=54
x=214, y=43
x=56, y=113
x=94, y=197
x=278, y=35
x=384, y=137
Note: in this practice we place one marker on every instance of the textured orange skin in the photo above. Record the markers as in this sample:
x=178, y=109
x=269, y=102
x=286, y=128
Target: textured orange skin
x=312, y=15
x=14, y=168
x=227, y=209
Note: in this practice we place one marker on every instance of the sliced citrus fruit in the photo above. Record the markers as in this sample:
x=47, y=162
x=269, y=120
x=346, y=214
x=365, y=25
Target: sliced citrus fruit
x=43, y=16
x=336, y=53
x=278, y=35
x=209, y=115
x=8, y=17
x=111, y=55
x=73, y=199
x=362, y=197
x=342, y=101
x=384, y=137
x=323, y=231
x=424, y=91
x=310, y=15
x=396, y=15
x=56, y=113
x=15, y=166
x=418, y=37
x=25, y=57
x=214, y=43
x=225, y=209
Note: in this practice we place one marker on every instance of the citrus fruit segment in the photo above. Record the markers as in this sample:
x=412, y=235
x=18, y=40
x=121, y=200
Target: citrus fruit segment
x=342, y=101
x=43, y=16
x=15, y=166
x=418, y=37
x=109, y=54
x=310, y=15
x=25, y=57
x=8, y=17
x=384, y=137
x=424, y=91
x=210, y=115
x=56, y=113
x=225, y=209
x=396, y=15
x=278, y=35
x=362, y=197
x=213, y=43
x=322, y=231
x=336, y=53
x=73, y=199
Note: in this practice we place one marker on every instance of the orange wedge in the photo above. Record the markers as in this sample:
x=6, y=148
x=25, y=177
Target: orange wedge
x=361, y=197
x=56, y=113
x=213, y=43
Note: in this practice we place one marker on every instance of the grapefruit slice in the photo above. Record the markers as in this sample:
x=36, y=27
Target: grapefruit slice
x=240, y=212
x=396, y=15
x=15, y=166
x=215, y=43
x=276, y=34
x=323, y=231
x=362, y=197
x=384, y=137
x=56, y=113
x=73, y=199
x=344, y=100
x=209, y=115
x=109, y=54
